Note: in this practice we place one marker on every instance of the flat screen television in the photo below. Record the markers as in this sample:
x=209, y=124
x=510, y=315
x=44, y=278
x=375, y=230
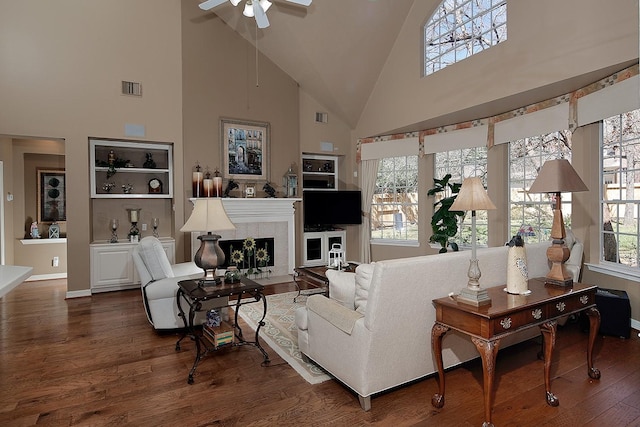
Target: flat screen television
x=324, y=209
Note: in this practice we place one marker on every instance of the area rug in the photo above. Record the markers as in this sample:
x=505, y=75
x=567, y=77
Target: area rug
x=280, y=332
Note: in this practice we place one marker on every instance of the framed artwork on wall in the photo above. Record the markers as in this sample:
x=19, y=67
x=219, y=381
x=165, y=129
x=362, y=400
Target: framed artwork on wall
x=245, y=149
x=52, y=195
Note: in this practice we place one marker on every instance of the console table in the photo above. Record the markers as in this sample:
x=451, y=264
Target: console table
x=506, y=315
x=195, y=293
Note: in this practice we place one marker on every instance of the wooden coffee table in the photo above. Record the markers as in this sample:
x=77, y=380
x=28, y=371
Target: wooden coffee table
x=314, y=279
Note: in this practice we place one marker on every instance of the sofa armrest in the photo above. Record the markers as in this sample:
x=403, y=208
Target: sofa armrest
x=333, y=312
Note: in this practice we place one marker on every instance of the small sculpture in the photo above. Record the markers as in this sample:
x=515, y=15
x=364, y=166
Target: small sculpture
x=149, y=163
x=231, y=185
x=267, y=188
x=35, y=233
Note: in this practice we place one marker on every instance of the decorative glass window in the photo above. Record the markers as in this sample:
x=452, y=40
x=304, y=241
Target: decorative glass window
x=394, y=210
x=461, y=28
x=461, y=164
x=620, y=172
x=531, y=214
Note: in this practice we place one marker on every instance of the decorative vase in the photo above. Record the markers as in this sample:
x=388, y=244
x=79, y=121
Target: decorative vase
x=517, y=272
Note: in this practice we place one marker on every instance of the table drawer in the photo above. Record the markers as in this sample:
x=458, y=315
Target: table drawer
x=521, y=318
x=571, y=304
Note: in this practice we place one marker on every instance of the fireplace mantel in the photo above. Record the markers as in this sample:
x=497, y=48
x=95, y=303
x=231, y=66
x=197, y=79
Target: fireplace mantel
x=248, y=213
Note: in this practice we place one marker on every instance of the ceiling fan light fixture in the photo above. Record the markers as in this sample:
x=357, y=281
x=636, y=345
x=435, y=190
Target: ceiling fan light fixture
x=235, y=2
x=248, y=9
x=265, y=4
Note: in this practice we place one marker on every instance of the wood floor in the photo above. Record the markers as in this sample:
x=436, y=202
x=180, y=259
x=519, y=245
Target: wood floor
x=97, y=362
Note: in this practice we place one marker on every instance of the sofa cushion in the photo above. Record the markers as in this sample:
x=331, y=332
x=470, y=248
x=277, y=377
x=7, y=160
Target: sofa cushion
x=155, y=258
x=364, y=274
x=342, y=287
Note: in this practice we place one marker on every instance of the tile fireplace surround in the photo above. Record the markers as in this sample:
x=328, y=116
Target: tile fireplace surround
x=258, y=218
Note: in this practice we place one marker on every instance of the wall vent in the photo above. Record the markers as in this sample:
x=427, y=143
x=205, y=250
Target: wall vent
x=131, y=88
x=322, y=118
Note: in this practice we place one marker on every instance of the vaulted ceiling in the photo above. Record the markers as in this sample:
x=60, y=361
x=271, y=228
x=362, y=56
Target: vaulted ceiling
x=334, y=49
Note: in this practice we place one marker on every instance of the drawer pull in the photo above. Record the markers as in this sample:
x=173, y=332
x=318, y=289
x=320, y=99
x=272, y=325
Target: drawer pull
x=506, y=323
x=584, y=299
x=561, y=306
x=537, y=314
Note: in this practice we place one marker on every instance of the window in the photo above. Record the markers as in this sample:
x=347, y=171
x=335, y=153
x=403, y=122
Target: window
x=461, y=28
x=465, y=163
x=394, y=210
x=532, y=214
x=620, y=171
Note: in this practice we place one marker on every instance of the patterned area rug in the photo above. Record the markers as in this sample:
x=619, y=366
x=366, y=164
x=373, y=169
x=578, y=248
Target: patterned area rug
x=280, y=332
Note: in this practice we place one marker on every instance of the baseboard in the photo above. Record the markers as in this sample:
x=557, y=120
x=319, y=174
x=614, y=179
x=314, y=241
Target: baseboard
x=635, y=324
x=78, y=294
x=47, y=277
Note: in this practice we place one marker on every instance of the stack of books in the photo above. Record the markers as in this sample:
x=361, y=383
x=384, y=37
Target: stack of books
x=218, y=335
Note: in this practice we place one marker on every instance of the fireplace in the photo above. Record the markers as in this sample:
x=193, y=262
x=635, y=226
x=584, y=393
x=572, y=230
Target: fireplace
x=262, y=218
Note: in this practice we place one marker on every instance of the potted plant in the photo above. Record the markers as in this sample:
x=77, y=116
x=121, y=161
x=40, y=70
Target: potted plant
x=444, y=222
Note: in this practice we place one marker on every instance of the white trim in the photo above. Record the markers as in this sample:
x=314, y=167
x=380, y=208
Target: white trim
x=475, y=136
x=635, y=324
x=543, y=121
x=620, y=272
x=78, y=294
x=47, y=277
x=395, y=242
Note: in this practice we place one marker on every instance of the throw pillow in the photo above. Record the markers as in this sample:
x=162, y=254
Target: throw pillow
x=155, y=258
x=364, y=273
x=342, y=287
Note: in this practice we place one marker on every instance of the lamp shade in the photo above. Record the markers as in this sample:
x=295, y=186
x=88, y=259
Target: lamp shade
x=208, y=215
x=472, y=197
x=557, y=176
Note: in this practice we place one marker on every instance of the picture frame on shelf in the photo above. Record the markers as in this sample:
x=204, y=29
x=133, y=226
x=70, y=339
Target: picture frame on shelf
x=245, y=149
x=52, y=195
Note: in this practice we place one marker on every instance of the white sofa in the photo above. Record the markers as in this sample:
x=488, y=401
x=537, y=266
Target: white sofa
x=374, y=332
x=159, y=283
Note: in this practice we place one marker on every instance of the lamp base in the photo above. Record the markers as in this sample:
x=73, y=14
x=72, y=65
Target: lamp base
x=208, y=257
x=474, y=297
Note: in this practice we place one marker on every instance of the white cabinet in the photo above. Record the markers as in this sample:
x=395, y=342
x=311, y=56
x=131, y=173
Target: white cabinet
x=318, y=243
x=319, y=172
x=129, y=169
x=112, y=267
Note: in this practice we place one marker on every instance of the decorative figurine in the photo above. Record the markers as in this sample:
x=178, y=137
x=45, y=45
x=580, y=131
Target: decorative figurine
x=149, y=163
x=267, y=188
x=231, y=185
x=35, y=233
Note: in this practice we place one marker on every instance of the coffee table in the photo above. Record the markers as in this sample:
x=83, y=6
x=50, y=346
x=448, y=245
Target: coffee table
x=315, y=277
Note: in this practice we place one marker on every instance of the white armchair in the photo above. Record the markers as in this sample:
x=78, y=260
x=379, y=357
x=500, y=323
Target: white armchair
x=159, y=282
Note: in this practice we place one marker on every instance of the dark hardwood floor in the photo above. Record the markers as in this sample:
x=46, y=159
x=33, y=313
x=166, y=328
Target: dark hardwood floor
x=97, y=362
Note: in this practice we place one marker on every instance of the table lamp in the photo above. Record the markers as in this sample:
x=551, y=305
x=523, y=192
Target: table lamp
x=473, y=197
x=557, y=176
x=208, y=215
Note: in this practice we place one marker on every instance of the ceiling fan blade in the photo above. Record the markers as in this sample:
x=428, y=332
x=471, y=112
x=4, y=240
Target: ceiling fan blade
x=210, y=4
x=261, y=17
x=301, y=2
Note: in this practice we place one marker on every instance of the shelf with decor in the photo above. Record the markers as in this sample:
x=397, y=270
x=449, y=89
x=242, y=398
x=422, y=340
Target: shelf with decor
x=319, y=172
x=129, y=169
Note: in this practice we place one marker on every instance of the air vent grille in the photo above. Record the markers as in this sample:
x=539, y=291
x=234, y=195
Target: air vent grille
x=322, y=118
x=131, y=88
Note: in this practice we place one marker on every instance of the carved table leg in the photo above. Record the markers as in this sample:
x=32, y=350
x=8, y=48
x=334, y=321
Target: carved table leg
x=488, y=351
x=594, y=327
x=437, y=332
x=549, y=334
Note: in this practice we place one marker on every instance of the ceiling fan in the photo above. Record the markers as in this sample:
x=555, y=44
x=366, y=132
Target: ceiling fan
x=252, y=8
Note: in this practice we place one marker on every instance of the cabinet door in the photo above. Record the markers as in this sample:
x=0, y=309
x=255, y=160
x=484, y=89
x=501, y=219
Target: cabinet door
x=111, y=267
x=314, y=249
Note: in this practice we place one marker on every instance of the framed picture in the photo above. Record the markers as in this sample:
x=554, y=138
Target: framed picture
x=52, y=195
x=245, y=150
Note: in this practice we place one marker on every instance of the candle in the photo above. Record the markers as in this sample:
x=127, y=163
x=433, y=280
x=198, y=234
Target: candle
x=197, y=182
x=134, y=216
x=207, y=185
x=217, y=186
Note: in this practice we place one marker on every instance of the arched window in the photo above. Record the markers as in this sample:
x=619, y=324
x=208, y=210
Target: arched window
x=461, y=28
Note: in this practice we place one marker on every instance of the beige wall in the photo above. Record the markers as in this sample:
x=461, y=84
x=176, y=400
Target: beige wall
x=62, y=66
